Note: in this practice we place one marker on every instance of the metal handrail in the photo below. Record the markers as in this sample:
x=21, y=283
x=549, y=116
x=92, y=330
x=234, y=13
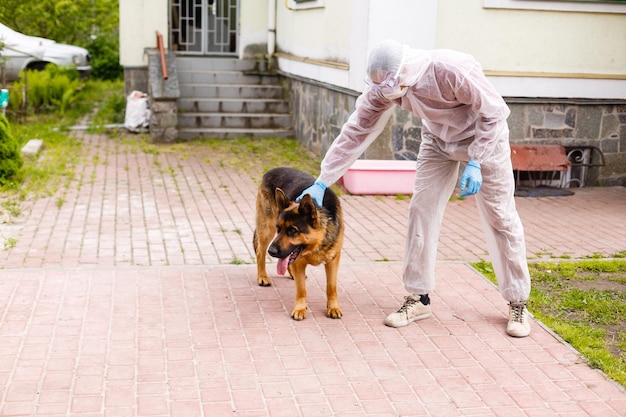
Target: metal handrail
x=162, y=52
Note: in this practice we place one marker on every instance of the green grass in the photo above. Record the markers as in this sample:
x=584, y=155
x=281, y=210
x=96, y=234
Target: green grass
x=253, y=156
x=9, y=243
x=11, y=208
x=42, y=176
x=584, y=302
x=98, y=101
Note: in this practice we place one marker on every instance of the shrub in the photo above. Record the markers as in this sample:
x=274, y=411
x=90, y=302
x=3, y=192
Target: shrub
x=105, y=58
x=112, y=109
x=53, y=88
x=10, y=155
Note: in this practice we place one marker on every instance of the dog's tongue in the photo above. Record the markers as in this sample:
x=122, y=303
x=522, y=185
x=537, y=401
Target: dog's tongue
x=281, y=267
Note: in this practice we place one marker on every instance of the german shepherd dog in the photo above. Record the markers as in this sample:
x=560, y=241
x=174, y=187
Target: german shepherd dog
x=298, y=234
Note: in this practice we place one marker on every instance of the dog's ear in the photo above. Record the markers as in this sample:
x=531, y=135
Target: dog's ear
x=281, y=199
x=307, y=208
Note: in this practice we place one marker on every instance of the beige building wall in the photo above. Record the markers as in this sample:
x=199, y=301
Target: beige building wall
x=535, y=41
x=529, y=53
x=253, y=28
x=319, y=33
x=139, y=21
x=575, y=52
x=559, y=49
x=330, y=42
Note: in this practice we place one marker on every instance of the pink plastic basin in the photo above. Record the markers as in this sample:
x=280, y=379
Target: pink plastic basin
x=371, y=176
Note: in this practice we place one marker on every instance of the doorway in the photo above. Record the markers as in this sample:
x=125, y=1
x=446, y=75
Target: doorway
x=204, y=27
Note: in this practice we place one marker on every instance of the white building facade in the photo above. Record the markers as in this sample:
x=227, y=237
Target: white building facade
x=561, y=65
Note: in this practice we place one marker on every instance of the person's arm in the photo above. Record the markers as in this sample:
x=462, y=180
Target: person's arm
x=368, y=120
x=363, y=126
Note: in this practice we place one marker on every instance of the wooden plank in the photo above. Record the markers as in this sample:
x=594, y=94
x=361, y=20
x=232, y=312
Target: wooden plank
x=539, y=158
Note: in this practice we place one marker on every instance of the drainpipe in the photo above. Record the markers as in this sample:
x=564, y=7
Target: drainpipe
x=271, y=33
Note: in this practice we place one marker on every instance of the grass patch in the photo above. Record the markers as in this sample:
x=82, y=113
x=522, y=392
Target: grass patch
x=51, y=172
x=99, y=102
x=9, y=243
x=255, y=156
x=584, y=302
x=238, y=261
x=44, y=175
x=251, y=156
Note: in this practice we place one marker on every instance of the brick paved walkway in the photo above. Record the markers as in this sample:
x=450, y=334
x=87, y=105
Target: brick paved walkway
x=137, y=296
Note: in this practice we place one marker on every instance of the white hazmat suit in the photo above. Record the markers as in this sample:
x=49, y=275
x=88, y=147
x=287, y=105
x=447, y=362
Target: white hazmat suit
x=464, y=119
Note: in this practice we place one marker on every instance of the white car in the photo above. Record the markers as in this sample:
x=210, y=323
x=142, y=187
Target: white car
x=30, y=52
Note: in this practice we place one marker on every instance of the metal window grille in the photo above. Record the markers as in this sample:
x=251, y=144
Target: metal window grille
x=204, y=27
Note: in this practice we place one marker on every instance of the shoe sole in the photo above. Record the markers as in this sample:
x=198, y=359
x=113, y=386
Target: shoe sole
x=407, y=322
x=514, y=334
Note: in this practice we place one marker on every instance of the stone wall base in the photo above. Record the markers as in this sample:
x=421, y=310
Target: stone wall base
x=135, y=78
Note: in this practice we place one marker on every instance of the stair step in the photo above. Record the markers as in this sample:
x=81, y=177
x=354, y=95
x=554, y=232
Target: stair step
x=218, y=64
x=225, y=77
x=235, y=105
x=228, y=98
x=221, y=133
x=235, y=120
x=231, y=91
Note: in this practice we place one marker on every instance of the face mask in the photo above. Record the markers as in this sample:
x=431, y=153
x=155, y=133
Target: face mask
x=394, y=93
x=388, y=88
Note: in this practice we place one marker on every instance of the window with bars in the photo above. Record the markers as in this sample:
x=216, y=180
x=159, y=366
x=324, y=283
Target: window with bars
x=203, y=27
x=304, y=4
x=598, y=6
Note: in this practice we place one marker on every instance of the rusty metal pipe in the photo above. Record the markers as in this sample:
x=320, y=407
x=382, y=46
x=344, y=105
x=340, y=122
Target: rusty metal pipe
x=162, y=53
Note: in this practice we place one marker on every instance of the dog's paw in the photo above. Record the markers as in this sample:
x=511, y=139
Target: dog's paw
x=298, y=314
x=292, y=277
x=334, y=312
x=264, y=281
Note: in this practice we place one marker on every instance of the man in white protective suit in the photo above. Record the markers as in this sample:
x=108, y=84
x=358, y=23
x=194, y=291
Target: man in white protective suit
x=464, y=120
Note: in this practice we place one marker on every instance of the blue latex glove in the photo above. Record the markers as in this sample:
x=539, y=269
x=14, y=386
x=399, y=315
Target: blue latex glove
x=471, y=178
x=316, y=191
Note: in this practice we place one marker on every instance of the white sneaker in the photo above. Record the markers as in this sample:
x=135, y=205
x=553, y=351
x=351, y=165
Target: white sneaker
x=413, y=309
x=518, y=325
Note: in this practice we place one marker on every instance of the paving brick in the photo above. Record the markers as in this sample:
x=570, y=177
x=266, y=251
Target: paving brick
x=138, y=296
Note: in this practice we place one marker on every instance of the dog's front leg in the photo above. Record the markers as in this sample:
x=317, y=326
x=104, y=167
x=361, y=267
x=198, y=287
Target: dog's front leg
x=298, y=272
x=332, y=304
x=263, y=235
x=262, y=278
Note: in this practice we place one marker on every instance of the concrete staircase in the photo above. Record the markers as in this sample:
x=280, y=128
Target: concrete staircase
x=230, y=98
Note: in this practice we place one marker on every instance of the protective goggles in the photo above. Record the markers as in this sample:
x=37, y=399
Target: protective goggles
x=386, y=86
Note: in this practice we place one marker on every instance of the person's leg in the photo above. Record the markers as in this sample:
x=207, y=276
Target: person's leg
x=505, y=236
x=435, y=179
